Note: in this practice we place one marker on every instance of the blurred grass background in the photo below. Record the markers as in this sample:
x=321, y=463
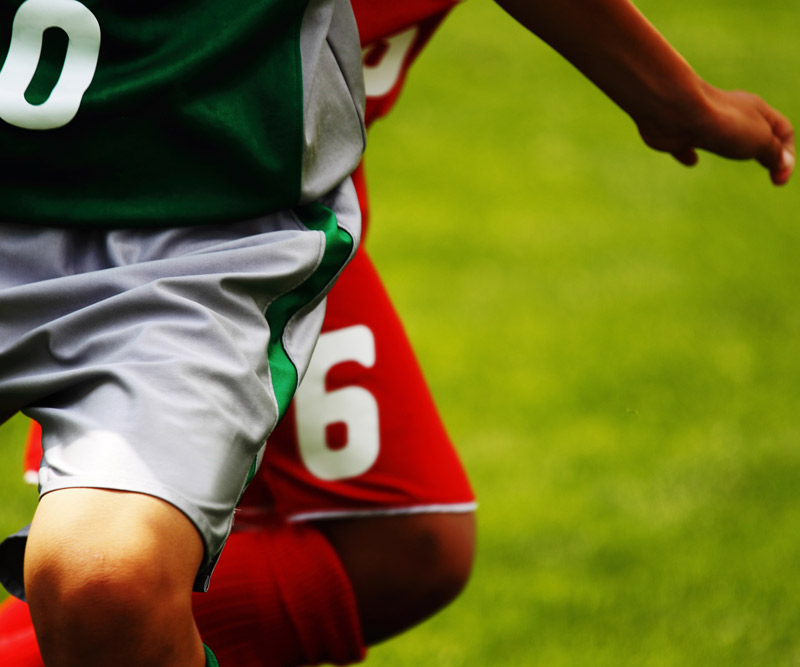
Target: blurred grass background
x=614, y=342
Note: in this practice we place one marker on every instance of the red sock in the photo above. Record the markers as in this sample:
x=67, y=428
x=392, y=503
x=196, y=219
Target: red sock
x=280, y=598
x=18, y=645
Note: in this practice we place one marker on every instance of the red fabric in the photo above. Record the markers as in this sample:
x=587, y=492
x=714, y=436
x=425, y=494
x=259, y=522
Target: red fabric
x=377, y=19
x=299, y=608
x=18, y=646
x=33, y=449
x=415, y=464
x=388, y=55
x=379, y=25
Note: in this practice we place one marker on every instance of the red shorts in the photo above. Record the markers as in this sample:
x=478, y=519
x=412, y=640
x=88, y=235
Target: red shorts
x=362, y=437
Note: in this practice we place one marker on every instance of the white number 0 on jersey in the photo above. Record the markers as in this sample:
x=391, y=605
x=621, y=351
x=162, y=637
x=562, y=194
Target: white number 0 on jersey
x=316, y=408
x=25, y=50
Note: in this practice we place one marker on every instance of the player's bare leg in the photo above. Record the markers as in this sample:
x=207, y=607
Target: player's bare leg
x=109, y=577
x=403, y=569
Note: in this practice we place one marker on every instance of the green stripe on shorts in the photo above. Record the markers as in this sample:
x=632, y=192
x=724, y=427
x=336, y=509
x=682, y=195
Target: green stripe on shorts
x=211, y=660
x=338, y=248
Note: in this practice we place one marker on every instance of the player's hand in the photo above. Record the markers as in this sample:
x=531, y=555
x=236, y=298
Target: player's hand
x=733, y=124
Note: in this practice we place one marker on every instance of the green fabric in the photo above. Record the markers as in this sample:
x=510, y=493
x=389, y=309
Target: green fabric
x=194, y=115
x=211, y=661
x=338, y=247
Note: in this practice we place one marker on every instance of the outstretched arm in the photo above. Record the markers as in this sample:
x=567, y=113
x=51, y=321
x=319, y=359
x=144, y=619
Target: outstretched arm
x=676, y=111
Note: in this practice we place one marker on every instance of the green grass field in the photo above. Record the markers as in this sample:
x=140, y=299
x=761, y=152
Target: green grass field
x=614, y=341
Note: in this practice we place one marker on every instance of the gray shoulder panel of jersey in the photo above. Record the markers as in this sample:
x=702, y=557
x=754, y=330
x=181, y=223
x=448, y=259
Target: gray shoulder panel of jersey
x=333, y=96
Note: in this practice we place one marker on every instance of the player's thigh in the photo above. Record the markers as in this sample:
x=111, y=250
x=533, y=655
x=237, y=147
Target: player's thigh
x=435, y=546
x=403, y=568
x=82, y=535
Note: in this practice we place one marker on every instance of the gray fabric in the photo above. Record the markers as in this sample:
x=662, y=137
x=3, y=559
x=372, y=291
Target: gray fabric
x=333, y=96
x=143, y=352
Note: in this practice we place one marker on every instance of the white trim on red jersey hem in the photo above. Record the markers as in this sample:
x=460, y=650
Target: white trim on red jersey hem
x=452, y=508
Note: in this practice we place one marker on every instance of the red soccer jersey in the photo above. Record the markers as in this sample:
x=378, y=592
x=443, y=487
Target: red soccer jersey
x=392, y=36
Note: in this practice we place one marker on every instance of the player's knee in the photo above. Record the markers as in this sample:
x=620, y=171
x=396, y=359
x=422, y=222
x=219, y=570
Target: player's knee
x=93, y=580
x=425, y=560
x=442, y=548
x=103, y=598
x=114, y=574
x=76, y=603
x=108, y=598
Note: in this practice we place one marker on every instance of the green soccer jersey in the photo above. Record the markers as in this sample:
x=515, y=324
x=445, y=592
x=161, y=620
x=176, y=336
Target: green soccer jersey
x=175, y=112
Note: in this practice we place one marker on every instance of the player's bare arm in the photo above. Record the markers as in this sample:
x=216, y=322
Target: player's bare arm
x=676, y=111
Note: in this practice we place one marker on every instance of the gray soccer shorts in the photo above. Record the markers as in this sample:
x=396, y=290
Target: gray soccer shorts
x=158, y=360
